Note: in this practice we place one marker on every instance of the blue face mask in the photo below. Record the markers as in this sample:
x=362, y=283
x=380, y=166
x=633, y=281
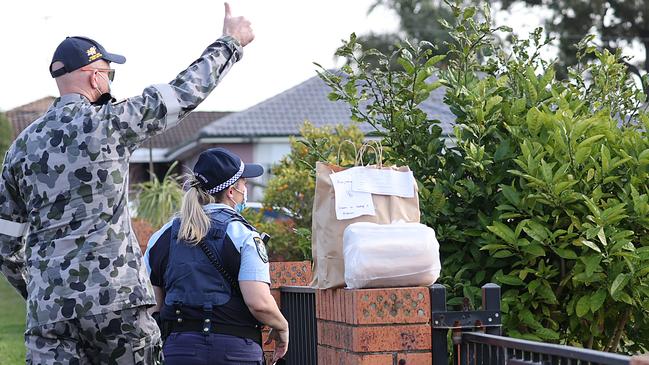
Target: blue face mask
x=239, y=207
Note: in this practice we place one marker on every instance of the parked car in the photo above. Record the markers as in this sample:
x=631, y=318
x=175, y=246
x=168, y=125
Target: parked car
x=270, y=214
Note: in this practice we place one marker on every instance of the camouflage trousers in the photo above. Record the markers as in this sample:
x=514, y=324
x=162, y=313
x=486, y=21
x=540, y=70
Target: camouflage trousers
x=130, y=336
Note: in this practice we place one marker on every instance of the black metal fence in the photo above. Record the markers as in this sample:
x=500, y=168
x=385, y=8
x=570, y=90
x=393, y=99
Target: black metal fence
x=480, y=348
x=476, y=338
x=298, y=306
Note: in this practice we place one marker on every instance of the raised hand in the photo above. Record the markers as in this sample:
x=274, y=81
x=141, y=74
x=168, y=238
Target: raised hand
x=237, y=27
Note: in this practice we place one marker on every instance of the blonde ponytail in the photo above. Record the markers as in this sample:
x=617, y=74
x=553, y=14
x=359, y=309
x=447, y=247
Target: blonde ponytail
x=194, y=222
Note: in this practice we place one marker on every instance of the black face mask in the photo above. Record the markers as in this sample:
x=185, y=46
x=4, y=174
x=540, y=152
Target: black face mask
x=104, y=99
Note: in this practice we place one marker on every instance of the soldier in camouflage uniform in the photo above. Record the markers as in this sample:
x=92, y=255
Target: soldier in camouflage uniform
x=66, y=242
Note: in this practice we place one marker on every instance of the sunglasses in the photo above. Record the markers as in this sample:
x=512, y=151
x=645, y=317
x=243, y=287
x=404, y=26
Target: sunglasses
x=109, y=71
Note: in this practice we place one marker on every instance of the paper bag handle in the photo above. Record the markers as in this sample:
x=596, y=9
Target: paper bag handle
x=340, y=147
x=378, y=151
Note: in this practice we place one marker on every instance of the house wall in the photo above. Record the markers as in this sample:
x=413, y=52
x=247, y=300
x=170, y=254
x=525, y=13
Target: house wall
x=264, y=151
x=243, y=150
x=268, y=153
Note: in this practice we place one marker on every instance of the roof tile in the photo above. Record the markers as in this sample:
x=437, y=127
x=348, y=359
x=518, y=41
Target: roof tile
x=284, y=113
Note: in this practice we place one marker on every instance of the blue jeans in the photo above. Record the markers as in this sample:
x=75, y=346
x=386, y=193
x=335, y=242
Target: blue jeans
x=212, y=349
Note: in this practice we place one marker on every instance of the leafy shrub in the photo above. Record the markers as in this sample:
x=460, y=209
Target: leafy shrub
x=288, y=242
x=158, y=200
x=6, y=135
x=543, y=189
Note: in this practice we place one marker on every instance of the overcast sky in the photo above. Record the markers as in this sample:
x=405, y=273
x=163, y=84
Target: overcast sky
x=161, y=38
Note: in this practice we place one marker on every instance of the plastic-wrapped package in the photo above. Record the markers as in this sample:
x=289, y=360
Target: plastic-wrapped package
x=390, y=255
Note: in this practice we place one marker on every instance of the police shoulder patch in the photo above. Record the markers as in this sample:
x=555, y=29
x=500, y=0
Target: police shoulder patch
x=261, y=249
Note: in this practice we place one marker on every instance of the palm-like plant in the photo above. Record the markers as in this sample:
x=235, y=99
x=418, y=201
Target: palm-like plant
x=158, y=200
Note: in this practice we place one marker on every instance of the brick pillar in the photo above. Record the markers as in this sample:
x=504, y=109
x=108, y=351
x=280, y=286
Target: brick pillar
x=374, y=326
x=290, y=273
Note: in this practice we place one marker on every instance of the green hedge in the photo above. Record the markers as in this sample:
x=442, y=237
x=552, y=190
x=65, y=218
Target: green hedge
x=544, y=187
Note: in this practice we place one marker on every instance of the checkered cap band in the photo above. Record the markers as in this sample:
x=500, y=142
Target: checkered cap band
x=229, y=182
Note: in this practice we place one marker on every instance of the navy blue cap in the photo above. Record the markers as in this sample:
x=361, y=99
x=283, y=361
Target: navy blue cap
x=218, y=168
x=76, y=52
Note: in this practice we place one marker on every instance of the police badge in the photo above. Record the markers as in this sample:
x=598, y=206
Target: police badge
x=261, y=249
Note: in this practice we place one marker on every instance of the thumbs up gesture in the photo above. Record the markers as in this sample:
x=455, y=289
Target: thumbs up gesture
x=237, y=27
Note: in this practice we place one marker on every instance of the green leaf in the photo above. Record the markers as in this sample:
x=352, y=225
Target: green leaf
x=469, y=12
x=511, y=194
x=504, y=232
x=528, y=318
x=493, y=101
x=509, y=279
x=626, y=298
x=597, y=299
x=407, y=65
x=534, y=250
x=602, y=236
x=493, y=246
x=502, y=254
x=536, y=231
x=582, y=153
x=591, y=245
x=533, y=285
x=583, y=306
x=546, y=333
x=434, y=60
x=591, y=263
x=545, y=292
x=619, y=283
x=566, y=253
x=589, y=141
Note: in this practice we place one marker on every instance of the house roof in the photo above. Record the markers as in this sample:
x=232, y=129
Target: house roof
x=22, y=116
x=284, y=113
x=187, y=130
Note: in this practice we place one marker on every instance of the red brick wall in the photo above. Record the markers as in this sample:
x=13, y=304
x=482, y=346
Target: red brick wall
x=374, y=326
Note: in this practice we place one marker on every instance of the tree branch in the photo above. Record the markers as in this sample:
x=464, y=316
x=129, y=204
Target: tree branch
x=635, y=70
x=619, y=330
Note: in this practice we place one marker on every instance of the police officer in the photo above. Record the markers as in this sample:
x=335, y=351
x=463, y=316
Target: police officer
x=210, y=271
x=66, y=242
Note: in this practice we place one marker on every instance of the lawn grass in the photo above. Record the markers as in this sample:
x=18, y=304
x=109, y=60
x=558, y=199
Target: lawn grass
x=12, y=325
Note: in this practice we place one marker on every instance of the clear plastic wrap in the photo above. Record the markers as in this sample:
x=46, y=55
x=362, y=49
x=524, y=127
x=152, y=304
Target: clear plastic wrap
x=390, y=255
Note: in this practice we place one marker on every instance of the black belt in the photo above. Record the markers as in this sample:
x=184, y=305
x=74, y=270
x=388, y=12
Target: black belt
x=195, y=325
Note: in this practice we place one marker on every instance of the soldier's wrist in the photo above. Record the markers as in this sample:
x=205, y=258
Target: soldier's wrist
x=233, y=45
x=231, y=40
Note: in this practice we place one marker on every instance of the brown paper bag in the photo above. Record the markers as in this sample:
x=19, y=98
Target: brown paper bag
x=327, y=231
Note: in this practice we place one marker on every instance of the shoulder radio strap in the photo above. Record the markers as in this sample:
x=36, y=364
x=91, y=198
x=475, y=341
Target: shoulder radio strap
x=215, y=262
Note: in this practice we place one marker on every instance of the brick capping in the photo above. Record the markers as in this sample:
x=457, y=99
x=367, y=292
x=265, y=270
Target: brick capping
x=374, y=306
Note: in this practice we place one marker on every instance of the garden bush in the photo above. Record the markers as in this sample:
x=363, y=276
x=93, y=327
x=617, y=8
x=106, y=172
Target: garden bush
x=541, y=189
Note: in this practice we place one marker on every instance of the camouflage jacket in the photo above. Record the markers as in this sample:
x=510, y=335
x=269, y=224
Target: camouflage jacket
x=66, y=242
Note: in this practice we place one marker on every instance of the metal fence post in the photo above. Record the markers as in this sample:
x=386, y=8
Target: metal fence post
x=491, y=302
x=438, y=304
x=298, y=306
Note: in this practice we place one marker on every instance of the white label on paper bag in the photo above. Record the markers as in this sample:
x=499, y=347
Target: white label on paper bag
x=384, y=182
x=350, y=204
